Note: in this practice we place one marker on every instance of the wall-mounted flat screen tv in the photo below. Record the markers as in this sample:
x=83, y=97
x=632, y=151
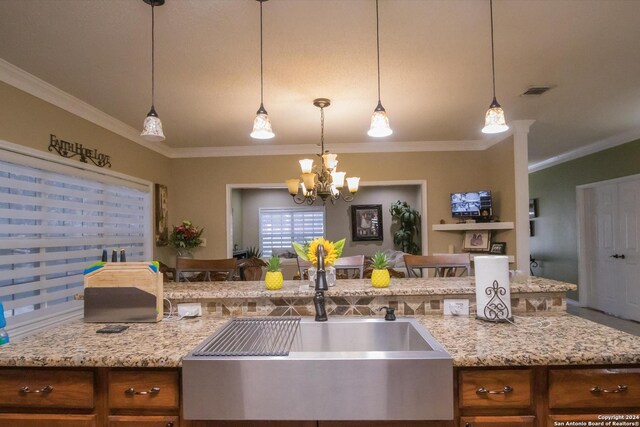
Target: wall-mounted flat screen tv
x=470, y=204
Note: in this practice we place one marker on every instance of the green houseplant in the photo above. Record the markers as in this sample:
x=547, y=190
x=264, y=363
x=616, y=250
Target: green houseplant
x=252, y=266
x=409, y=220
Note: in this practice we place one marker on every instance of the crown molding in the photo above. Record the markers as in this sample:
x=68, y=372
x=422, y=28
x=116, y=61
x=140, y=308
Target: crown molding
x=37, y=87
x=603, y=144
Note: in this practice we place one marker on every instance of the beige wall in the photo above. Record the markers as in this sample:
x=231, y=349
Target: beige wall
x=338, y=216
x=28, y=121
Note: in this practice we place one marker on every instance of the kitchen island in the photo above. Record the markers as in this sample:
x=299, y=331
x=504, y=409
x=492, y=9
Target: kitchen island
x=541, y=370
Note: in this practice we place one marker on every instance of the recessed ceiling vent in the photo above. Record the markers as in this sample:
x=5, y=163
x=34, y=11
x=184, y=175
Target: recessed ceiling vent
x=536, y=90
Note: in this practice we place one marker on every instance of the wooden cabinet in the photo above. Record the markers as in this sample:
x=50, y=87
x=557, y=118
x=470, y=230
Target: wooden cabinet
x=148, y=421
x=48, y=420
x=46, y=388
x=498, y=421
x=510, y=388
x=594, y=388
x=144, y=389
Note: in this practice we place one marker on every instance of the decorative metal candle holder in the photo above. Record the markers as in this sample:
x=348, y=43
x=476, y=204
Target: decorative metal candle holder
x=496, y=310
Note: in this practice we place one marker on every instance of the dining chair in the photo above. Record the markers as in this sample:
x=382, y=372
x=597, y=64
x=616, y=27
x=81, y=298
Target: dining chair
x=303, y=268
x=207, y=269
x=347, y=267
x=444, y=265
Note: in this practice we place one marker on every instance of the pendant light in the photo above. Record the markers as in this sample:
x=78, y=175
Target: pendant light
x=379, y=120
x=261, y=124
x=152, y=129
x=494, y=121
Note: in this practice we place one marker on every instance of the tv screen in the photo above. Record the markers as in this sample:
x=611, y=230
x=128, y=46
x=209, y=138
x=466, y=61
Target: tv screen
x=470, y=204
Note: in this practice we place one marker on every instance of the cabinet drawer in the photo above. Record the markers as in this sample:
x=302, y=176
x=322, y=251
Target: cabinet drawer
x=594, y=388
x=46, y=388
x=48, y=420
x=495, y=388
x=515, y=421
x=595, y=419
x=143, y=389
x=150, y=421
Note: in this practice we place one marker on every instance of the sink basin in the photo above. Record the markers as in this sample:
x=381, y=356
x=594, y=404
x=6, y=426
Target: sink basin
x=348, y=368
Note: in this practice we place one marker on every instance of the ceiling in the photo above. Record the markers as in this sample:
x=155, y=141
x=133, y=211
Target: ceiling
x=435, y=66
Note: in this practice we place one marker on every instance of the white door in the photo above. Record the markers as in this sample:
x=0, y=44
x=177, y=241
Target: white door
x=615, y=272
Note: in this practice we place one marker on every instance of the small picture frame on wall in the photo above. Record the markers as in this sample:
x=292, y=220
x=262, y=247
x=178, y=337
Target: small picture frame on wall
x=366, y=222
x=162, y=215
x=477, y=240
x=533, y=208
x=498, y=248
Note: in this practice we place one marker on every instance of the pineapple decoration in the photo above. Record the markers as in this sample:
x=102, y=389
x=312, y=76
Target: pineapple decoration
x=380, y=275
x=274, y=278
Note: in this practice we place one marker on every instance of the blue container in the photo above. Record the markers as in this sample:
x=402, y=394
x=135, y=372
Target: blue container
x=4, y=337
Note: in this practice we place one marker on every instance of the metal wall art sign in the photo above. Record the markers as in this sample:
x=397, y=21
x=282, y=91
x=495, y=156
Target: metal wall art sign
x=73, y=149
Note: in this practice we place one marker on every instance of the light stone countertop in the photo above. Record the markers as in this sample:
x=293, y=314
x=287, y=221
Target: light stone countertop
x=550, y=339
x=352, y=287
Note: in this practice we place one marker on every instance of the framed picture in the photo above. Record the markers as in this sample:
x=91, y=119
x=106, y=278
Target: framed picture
x=162, y=215
x=533, y=208
x=498, y=248
x=477, y=240
x=366, y=222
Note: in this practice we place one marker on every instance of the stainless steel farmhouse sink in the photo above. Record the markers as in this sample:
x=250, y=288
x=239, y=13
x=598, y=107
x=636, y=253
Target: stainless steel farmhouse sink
x=296, y=369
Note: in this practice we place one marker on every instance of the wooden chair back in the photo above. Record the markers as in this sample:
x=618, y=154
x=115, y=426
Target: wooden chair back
x=349, y=266
x=444, y=265
x=206, y=269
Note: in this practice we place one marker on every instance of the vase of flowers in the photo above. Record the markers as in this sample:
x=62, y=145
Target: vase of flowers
x=185, y=237
x=332, y=251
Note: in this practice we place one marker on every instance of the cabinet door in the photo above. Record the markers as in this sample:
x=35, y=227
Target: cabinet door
x=46, y=388
x=385, y=424
x=594, y=388
x=143, y=389
x=150, y=421
x=48, y=420
x=595, y=419
x=515, y=421
x=508, y=388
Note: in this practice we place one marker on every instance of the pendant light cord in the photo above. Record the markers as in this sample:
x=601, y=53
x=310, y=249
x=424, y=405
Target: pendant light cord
x=261, y=71
x=153, y=56
x=378, y=47
x=493, y=60
x=321, y=130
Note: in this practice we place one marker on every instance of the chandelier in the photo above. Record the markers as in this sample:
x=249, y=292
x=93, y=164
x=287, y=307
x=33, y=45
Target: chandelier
x=322, y=181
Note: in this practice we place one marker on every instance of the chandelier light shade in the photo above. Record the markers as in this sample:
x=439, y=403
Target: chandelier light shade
x=379, y=120
x=322, y=181
x=152, y=127
x=494, y=121
x=261, y=124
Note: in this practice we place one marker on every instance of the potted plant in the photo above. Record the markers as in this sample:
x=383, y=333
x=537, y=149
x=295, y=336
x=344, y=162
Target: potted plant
x=409, y=220
x=274, y=278
x=380, y=275
x=185, y=237
x=308, y=252
x=252, y=265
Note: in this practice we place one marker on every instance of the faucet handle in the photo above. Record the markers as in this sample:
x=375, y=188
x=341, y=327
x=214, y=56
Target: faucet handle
x=389, y=313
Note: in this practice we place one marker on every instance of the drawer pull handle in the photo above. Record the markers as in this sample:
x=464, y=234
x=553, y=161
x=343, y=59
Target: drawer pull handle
x=506, y=390
x=152, y=391
x=618, y=389
x=44, y=390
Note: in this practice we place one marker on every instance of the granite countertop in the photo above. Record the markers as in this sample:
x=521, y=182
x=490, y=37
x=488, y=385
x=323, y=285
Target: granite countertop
x=550, y=339
x=353, y=287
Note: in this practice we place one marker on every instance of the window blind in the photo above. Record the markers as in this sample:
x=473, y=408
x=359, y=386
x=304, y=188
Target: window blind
x=53, y=225
x=280, y=227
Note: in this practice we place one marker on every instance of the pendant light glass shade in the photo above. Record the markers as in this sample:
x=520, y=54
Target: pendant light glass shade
x=152, y=127
x=379, y=123
x=494, y=121
x=262, y=125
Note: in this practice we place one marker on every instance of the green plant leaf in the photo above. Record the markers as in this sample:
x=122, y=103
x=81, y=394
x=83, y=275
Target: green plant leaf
x=339, y=245
x=301, y=250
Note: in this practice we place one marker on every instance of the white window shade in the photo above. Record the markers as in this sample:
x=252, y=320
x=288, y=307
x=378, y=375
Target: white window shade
x=55, y=220
x=280, y=227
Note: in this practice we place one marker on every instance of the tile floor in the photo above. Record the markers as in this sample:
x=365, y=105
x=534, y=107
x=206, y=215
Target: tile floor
x=627, y=326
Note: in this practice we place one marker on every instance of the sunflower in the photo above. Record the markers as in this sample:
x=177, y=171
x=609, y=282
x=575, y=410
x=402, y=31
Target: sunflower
x=332, y=251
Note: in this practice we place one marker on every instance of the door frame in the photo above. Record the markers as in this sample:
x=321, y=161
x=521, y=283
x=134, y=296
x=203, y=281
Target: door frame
x=422, y=184
x=584, y=201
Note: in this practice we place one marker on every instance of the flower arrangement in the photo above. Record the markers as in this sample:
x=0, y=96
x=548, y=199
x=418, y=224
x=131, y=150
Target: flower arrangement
x=308, y=251
x=185, y=236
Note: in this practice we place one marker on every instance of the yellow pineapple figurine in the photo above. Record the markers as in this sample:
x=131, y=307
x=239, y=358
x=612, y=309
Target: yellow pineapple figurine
x=274, y=278
x=380, y=276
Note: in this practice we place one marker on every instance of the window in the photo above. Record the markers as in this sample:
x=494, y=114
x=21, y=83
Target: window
x=280, y=227
x=55, y=220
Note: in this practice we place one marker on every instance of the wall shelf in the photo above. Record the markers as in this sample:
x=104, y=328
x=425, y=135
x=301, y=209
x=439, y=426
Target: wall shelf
x=473, y=226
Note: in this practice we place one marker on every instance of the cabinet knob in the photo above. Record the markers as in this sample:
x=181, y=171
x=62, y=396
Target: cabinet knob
x=505, y=390
x=44, y=390
x=621, y=388
x=151, y=391
x=169, y=424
